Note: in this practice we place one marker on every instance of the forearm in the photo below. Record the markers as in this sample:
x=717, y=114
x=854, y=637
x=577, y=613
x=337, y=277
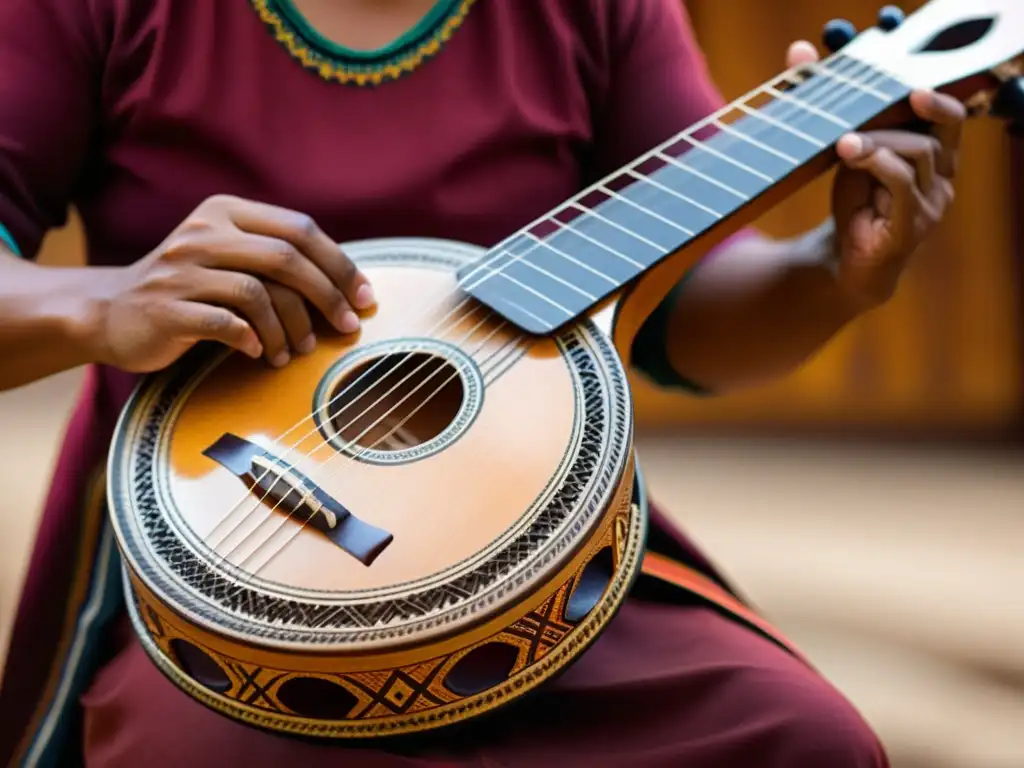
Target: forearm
x=47, y=319
x=756, y=310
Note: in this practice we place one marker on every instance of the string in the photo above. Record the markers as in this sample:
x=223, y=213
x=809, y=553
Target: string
x=341, y=410
x=367, y=410
x=693, y=128
x=403, y=422
x=498, y=252
x=398, y=426
x=333, y=474
x=744, y=138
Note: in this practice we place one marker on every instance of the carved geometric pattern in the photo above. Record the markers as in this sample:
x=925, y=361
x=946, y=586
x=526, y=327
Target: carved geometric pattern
x=541, y=628
x=470, y=376
x=397, y=691
x=605, y=418
x=254, y=685
x=400, y=692
x=411, y=698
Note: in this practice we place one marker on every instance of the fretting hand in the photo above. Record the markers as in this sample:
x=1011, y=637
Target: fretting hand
x=891, y=189
x=236, y=272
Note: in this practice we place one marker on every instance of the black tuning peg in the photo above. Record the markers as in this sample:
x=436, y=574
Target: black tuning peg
x=1008, y=103
x=890, y=17
x=837, y=34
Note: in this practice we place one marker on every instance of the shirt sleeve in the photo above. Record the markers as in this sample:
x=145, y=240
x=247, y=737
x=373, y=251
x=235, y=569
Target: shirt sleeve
x=658, y=86
x=50, y=59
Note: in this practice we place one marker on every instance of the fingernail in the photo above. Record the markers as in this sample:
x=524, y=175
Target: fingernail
x=365, y=297
x=349, y=322
x=307, y=345
x=852, y=146
x=280, y=359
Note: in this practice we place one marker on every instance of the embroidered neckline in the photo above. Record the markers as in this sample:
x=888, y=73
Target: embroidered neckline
x=365, y=68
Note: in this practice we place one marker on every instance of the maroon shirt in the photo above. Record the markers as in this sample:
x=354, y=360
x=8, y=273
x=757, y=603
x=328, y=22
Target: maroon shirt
x=134, y=111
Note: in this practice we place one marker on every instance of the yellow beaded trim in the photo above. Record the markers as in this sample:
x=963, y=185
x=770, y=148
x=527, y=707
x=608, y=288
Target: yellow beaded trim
x=371, y=73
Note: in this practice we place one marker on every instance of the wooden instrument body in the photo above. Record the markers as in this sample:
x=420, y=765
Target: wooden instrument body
x=507, y=528
x=521, y=505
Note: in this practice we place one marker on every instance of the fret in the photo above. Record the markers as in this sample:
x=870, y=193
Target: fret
x=676, y=192
x=797, y=150
x=542, y=282
x=715, y=184
x=535, y=299
x=630, y=214
x=818, y=95
x=524, y=309
x=668, y=201
x=570, y=283
x=805, y=109
x=750, y=154
x=887, y=88
x=862, y=87
x=810, y=108
x=596, y=274
x=540, y=243
x=630, y=251
x=764, y=143
x=765, y=116
x=599, y=242
x=682, y=174
x=731, y=170
x=865, y=90
x=603, y=216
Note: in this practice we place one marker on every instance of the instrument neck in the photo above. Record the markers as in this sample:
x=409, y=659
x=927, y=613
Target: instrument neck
x=578, y=257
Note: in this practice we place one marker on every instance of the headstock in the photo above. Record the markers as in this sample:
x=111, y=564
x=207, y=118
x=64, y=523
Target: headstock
x=971, y=49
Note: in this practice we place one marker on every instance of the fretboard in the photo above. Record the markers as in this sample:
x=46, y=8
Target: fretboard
x=556, y=269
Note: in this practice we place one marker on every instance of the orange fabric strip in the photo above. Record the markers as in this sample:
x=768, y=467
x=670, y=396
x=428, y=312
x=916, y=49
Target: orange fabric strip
x=675, y=573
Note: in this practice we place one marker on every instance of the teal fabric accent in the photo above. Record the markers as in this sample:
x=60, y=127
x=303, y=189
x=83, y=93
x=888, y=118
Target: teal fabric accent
x=8, y=240
x=650, y=347
x=437, y=13
x=364, y=68
x=54, y=744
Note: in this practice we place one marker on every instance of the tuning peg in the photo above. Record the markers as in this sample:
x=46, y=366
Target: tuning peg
x=890, y=17
x=837, y=34
x=1008, y=103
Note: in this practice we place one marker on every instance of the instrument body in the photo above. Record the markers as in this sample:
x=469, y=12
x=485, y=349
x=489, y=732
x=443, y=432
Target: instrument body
x=305, y=553
x=494, y=520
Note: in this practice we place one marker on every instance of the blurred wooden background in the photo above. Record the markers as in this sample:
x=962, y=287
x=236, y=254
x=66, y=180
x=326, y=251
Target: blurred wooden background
x=946, y=354
x=848, y=548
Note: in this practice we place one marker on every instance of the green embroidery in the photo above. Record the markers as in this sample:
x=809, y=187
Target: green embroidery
x=345, y=65
x=8, y=239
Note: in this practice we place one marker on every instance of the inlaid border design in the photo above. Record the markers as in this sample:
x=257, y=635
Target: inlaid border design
x=214, y=597
x=547, y=643
x=469, y=374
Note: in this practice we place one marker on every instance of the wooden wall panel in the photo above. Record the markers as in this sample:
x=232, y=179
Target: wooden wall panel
x=946, y=352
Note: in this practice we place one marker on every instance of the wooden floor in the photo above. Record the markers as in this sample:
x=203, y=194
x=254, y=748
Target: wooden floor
x=899, y=572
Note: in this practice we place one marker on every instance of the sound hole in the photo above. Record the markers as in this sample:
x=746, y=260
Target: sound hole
x=482, y=668
x=317, y=698
x=396, y=401
x=591, y=585
x=200, y=666
x=959, y=35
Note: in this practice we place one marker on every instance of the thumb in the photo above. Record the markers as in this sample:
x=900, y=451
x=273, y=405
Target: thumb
x=801, y=52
